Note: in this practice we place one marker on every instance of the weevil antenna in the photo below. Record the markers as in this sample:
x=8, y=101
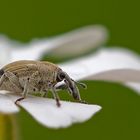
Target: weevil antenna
x=81, y=84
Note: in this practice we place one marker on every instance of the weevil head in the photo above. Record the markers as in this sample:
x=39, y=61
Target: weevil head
x=60, y=76
x=71, y=84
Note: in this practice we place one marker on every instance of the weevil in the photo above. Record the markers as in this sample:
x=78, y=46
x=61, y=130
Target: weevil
x=27, y=77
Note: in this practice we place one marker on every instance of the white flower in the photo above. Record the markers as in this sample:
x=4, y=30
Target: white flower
x=119, y=65
x=79, y=40
x=5, y=50
x=43, y=110
x=46, y=112
x=113, y=64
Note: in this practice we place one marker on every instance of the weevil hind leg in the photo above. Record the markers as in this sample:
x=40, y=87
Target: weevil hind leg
x=25, y=92
x=2, y=79
x=18, y=100
x=56, y=97
x=13, y=79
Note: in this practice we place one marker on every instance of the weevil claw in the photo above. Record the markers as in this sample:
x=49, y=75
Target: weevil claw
x=58, y=103
x=16, y=102
x=83, y=102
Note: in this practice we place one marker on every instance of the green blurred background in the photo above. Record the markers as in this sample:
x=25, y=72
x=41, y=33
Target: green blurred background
x=28, y=19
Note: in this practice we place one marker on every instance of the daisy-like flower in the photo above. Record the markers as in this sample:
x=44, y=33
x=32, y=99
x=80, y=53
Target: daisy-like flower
x=115, y=64
x=45, y=110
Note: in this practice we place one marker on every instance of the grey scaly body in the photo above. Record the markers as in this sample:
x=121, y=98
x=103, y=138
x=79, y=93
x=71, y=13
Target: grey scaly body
x=27, y=77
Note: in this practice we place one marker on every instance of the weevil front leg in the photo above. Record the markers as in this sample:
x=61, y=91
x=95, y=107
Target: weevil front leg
x=56, y=97
x=25, y=92
x=65, y=87
x=62, y=87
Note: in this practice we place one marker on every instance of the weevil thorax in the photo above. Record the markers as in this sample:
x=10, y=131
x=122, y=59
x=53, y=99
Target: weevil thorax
x=49, y=72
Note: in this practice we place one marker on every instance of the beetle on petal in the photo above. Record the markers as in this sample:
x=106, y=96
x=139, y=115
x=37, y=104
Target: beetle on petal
x=27, y=77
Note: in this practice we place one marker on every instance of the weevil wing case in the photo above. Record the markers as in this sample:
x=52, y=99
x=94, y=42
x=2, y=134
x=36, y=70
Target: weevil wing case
x=23, y=65
x=20, y=67
x=19, y=71
x=19, y=63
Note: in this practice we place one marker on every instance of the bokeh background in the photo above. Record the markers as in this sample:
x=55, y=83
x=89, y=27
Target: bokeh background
x=29, y=19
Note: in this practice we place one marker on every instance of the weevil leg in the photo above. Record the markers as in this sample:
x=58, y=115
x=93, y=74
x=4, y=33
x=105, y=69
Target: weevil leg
x=62, y=87
x=2, y=79
x=82, y=101
x=44, y=94
x=56, y=97
x=74, y=91
x=65, y=87
x=19, y=99
x=25, y=92
x=12, y=78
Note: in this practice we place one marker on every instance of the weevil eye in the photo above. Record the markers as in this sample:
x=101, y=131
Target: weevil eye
x=60, y=76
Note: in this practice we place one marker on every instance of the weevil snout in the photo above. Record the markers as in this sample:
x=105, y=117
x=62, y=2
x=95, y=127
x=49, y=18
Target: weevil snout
x=71, y=85
x=72, y=89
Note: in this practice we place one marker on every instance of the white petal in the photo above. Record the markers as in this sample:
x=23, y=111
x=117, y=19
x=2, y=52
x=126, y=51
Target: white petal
x=134, y=86
x=120, y=75
x=7, y=106
x=47, y=113
x=81, y=40
x=102, y=62
x=5, y=50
